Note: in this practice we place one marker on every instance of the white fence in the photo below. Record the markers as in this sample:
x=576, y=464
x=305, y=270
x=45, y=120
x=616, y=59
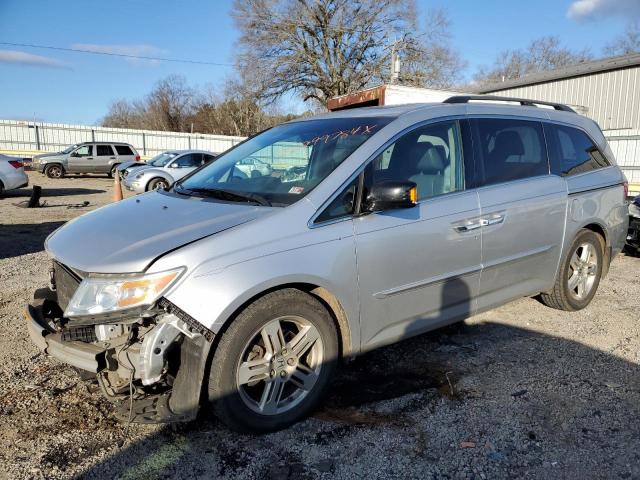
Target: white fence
x=26, y=138
x=22, y=136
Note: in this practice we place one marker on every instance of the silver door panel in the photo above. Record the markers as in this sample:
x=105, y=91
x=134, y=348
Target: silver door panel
x=522, y=237
x=416, y=270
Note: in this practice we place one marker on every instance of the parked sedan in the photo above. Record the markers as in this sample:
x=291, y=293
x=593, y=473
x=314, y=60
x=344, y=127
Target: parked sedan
x=12, y=174
x=254, y=167
x=164, y=170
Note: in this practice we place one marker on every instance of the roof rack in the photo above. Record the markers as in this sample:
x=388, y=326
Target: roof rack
x=522, y=101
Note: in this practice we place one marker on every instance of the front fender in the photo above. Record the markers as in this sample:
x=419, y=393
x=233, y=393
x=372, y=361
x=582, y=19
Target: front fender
x=213, y=297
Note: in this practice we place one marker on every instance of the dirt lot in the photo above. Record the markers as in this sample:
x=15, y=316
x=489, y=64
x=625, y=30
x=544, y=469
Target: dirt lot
x=521, y=391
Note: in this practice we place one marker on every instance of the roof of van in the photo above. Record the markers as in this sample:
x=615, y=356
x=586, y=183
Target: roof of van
x=490, y=106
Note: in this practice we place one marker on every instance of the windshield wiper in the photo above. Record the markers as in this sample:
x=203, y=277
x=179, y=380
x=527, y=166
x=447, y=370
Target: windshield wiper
x=232, y=196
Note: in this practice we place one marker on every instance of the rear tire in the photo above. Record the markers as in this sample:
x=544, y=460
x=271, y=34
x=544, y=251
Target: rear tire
x=579, y=275
x=54, y=170
x=274, y=363
x=1, y=189
x=113, y=171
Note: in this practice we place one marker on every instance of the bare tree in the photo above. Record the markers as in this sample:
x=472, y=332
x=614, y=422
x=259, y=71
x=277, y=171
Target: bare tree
x=174, y=106
x=628, y=42
x=169, y=106
x=543, y=54
x=123, y=114
x=324, y=48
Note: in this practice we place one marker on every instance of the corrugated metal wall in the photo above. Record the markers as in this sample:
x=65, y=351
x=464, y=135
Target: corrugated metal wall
x=612, y=98
x=20, y=136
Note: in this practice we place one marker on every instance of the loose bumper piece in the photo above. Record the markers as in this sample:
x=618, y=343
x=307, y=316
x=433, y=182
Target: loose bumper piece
x=81, y=355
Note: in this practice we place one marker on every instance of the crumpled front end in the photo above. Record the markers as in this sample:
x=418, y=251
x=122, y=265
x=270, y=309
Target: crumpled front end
x=150, y=363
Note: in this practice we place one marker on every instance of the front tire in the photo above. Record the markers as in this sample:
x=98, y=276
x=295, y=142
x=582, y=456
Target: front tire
x=157, y=184
x=54, y=171
x=274, y=363
x=579, y=274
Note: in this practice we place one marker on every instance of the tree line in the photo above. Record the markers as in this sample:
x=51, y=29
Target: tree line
x=319, y=49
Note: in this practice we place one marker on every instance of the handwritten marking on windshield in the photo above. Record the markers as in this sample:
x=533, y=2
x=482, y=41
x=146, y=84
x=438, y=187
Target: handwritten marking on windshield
x=362, y=130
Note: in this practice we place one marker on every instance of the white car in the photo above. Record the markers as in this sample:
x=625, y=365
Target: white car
x=254, y=167
x=12, y=174
x=166, y=169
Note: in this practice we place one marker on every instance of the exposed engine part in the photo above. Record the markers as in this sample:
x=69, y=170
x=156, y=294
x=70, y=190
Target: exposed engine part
x=153, y=351
x=107, y=332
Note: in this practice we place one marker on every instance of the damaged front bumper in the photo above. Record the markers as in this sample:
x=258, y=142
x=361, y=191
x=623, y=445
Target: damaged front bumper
x=633, y=233
x=152, y=368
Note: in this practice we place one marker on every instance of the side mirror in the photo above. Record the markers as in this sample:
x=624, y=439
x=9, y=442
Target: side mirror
x=74, y=154
x=174, y=165
x=391, y=195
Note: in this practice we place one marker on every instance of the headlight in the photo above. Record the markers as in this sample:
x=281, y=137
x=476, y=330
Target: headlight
x=97, y=295
x=634, y=210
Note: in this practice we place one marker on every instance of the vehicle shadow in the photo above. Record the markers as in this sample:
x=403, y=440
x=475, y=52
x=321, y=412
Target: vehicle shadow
x=23, y=238
x=497, y=398
x=52, y=192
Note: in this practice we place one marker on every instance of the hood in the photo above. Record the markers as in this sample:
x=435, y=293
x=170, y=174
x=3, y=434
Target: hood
x=46, y=155
x=130, y=163
x=138, y=166
x=129, y=235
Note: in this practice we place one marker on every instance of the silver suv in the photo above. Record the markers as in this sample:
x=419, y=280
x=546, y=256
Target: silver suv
x=247, y=290
x=87, y=157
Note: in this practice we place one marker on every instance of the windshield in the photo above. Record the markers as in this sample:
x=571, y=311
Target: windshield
x=162, y=159
x=283, y=164
x=71, y=148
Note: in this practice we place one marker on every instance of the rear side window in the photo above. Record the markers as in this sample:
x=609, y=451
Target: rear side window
x=103, y=150
x=123, y=150
x=509, y=150
x=572, y=151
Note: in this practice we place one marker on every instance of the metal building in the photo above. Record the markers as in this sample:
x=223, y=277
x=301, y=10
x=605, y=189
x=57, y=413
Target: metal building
x=606, y=90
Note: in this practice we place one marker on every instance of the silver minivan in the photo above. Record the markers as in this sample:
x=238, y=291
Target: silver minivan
x=86, y=157
x=240, y=294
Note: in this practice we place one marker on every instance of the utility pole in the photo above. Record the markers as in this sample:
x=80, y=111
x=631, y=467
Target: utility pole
x=395, y=64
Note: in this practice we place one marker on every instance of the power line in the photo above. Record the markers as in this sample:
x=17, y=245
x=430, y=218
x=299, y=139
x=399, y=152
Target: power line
x=113, y=54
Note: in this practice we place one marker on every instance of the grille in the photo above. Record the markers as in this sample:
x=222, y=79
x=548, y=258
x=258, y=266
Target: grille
x=66, y=283
x=83, y=334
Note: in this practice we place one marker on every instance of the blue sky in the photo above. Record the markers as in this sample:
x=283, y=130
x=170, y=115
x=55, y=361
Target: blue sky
x=67, y=87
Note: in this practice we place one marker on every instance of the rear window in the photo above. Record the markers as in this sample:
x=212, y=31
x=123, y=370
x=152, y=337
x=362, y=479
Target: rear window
x=103, y=150
x=509, y=150
x=123, y=150
x=572, y=151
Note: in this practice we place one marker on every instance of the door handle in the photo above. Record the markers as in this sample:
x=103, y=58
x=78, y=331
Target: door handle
x=494, y=219
x=112, y=158
x=468, y=227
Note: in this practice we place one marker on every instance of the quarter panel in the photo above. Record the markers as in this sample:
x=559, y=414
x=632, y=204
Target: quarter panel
x=597, y=197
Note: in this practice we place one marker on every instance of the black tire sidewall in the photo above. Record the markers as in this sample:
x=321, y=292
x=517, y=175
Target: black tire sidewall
x=154, y=182
x=584, y=237
x=50, y=167
x=222, y=384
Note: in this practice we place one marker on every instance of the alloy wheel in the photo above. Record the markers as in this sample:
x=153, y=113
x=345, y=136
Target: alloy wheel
x=583, y=268
x=280, y=365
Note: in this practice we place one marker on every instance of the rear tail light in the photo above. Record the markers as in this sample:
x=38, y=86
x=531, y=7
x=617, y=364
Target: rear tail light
x=137, y=158
x=625, y=185
x=16, y=164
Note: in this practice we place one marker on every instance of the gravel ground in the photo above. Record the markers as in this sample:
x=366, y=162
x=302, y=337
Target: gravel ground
x=521, y=391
